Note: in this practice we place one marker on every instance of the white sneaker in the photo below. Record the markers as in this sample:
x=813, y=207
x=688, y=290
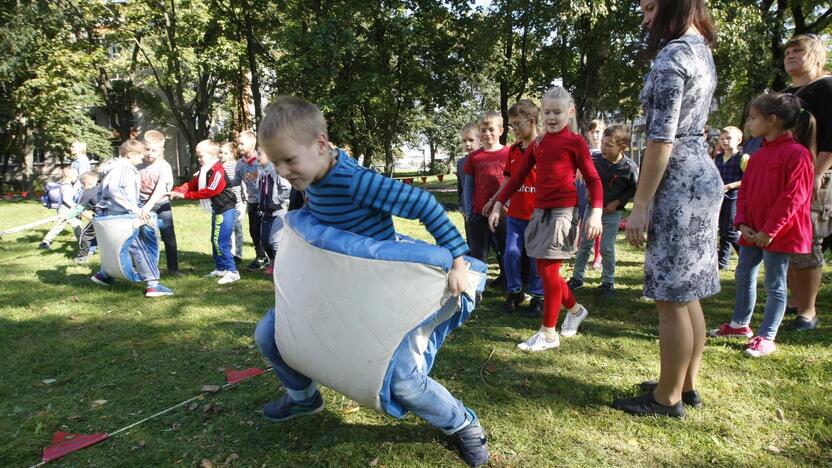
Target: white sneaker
x=572, y=322
x=229, y=277
x=215, y=274
x=538, y=342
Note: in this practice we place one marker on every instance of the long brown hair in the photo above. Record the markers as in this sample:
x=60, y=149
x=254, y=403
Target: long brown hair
x=673, y=18
x=792, y=115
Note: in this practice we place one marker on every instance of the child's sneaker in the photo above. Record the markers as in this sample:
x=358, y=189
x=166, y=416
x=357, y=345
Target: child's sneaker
x=473, y=445
x=257, y=264
x=513, y=299
x=44, y=246
x=607, y=290
x=539, y=342
x=229, y=277
x=574, y=284
x=727, y=331
x=572, y=322
x=535, y=308
x=102, y=279
x=285, y=409
x=79, y=260
x=269, y=270
x=158, y=291
x=216, y=274
x=759, y=347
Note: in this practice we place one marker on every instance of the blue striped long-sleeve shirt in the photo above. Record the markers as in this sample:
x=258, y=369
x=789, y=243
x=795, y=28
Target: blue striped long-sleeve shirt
x=358, y=200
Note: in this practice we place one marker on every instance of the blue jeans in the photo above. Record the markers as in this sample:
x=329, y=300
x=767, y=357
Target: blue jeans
x=222, y=224
x=164, y=216
x=777, y=266
x=268, y=225
x=513, y=259
x=410, y=384
x=609, y=225
x=729, y=237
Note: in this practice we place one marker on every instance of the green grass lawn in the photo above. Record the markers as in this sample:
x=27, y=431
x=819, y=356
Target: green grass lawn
x=543, y=409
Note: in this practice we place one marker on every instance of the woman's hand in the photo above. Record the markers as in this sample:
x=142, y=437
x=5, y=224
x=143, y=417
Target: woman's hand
x=637, y=226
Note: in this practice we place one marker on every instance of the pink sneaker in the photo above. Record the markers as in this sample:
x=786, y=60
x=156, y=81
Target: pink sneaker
x=759, y=347
x=270, y=270
x=727, y=331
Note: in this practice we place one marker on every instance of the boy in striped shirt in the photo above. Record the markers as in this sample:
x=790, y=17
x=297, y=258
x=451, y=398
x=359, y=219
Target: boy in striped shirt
x=344, y=195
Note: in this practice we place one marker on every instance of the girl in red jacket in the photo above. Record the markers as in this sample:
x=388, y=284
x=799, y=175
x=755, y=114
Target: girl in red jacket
x=552, y=233
x=773, y=214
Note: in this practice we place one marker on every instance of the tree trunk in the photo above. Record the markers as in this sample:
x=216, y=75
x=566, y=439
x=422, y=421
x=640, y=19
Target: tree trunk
x=27, y=155
x=252, y=64
x=432, y=149
x=389, y=162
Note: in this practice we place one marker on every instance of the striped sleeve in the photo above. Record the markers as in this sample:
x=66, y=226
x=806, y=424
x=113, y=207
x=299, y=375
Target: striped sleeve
x=381, y=193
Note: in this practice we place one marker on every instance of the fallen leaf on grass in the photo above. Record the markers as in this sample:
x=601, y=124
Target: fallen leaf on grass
x=230, y=459
x=220, y=369
x=49, y=381
x=72, y=317
x=74, y=417
x=491, y=368
x=780, y=415
x=193, y=406
x=74, y=298
x=373, y=462
x=206, y=463
x=175, y=426
x=773, y=449
x=98, y=403
x=212, y=407
x=211, y=388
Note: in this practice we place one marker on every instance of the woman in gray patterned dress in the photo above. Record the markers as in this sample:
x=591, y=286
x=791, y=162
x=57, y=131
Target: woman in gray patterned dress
x=678, y=198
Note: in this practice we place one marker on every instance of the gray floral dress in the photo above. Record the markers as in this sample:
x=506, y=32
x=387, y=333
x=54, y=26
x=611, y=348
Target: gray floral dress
x=681, y=260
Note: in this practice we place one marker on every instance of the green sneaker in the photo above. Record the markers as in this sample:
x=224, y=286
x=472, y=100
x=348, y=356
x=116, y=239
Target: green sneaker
x=285, y=409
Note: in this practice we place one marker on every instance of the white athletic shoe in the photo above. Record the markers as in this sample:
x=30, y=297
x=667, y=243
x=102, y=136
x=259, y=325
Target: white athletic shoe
x=572, y=322
x=216, y=274
x=538, y=342
x=229, y=277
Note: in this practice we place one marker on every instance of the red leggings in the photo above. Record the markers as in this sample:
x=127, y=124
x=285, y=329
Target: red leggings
x=555, y=291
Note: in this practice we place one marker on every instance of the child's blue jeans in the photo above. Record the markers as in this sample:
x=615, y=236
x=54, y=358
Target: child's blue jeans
x=777, y=266
x=222, y=225
x=513, y=258
x=410, y=385
x=609, y=226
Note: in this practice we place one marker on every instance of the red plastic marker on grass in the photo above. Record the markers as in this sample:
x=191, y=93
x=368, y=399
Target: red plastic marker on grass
x=64, y=443
x=234, y=376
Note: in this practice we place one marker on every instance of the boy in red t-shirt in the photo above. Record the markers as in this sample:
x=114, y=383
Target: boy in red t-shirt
x=486, y=168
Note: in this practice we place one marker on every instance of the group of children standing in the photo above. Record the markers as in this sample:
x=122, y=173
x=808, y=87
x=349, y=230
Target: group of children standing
x=140, y=182
x=523, y=201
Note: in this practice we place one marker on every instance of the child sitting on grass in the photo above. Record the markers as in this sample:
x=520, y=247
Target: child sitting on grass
x=343, y=195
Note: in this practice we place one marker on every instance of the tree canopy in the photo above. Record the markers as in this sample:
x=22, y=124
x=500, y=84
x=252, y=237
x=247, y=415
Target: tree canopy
x=385, y=73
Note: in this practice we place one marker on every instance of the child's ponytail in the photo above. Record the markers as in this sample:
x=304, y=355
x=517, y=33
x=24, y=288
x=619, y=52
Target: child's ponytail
x=805, y=130
x=788, y=109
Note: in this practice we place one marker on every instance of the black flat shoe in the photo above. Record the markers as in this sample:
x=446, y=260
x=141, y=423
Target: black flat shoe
x=801, y=323
x=690, y=398
x=647, y=405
